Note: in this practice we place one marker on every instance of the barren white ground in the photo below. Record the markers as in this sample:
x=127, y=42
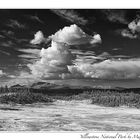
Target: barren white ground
x=68, y=116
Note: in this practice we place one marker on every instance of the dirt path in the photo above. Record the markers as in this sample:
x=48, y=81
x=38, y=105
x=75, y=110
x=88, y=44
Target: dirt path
x=68, y=116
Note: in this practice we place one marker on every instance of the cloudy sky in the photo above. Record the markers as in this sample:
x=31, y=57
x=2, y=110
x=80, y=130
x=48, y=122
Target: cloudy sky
x=70, y=44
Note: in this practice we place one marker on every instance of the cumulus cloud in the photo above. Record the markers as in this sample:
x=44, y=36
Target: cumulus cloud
x=2, y=73
x=71, y=35
x=108, y=69
x=129, y=34
x=133, y=29
x=38, y=38
x=60, y=61
x=74, y=35
x=96, y=39
x=54, y=61
x=24, y=74
x=71, y=16
x=134, y=26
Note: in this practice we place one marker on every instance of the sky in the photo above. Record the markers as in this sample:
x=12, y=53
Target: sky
x=62, y=44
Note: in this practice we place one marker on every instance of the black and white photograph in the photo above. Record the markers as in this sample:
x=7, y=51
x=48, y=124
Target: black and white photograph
x=69, y=70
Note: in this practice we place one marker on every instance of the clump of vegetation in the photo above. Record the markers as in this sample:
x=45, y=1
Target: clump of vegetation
x=114, y=99
x=24, y=98
x=80, y=96
x=106, y=98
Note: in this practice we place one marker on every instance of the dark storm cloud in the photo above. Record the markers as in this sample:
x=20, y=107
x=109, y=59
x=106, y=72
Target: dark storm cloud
x=71, y=15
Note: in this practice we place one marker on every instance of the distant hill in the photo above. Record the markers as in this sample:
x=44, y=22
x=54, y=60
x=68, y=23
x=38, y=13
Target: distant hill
x=39, y=85
x=65, y=89
x=18, y=86
x=47, y=85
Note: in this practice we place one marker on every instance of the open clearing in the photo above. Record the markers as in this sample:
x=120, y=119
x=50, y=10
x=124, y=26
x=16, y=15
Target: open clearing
x=68, y=116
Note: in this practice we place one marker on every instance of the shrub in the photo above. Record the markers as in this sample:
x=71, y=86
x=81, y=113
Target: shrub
x=113, y=99
x=24, y=98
